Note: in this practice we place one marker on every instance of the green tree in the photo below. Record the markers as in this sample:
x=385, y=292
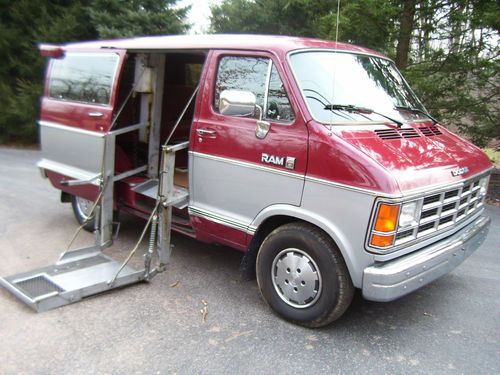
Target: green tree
x=128, y=18
x=279, y=17
x=448, y=49
x=25, y=23
x=368, y=23
x=455, y=65
x=406, y=27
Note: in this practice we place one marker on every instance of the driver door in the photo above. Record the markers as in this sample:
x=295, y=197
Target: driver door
x=236, y=174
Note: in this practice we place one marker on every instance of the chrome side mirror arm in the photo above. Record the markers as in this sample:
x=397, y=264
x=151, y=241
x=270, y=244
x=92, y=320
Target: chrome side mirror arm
x=263, y=127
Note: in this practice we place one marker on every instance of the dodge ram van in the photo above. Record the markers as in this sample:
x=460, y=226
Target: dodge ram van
x=314, y=159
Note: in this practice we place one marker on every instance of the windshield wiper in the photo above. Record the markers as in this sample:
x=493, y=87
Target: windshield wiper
x=362, y=110
x=417, y=110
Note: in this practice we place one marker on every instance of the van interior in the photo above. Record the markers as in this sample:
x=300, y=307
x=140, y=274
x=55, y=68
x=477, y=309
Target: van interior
x=174, y=77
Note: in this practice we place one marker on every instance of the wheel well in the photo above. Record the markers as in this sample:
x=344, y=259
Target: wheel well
x=247, y=266
x=271, y=224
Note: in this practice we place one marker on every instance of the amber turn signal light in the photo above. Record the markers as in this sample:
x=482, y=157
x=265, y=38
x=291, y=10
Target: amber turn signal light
x=387, y=218
x=382, y=241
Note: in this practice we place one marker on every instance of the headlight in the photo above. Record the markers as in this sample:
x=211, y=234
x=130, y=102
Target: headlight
x=483, y=183
x=409, y=214
x=393, y=219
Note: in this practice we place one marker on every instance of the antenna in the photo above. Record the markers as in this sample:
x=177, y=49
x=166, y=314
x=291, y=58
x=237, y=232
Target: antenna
x=335, y=51
x=337, y=25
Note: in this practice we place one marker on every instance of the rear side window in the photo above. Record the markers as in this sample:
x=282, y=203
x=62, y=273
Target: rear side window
x=83, y=77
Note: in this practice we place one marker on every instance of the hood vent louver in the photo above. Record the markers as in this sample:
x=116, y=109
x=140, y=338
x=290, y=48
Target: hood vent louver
x=430, y=131
x=397, y=133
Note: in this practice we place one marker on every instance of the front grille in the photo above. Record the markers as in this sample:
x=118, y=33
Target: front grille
x=443, y=209
x=424, y=228
x=431, y=199
x=451, y=194
x=404, y=234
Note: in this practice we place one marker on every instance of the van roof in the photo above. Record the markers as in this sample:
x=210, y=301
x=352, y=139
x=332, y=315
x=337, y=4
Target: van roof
x=274, y=43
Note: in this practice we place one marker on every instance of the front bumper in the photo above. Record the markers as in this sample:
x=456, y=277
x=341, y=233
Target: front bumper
x=391, y=280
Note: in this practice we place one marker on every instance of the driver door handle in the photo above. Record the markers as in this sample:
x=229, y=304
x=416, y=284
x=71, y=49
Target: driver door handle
x=206, y=132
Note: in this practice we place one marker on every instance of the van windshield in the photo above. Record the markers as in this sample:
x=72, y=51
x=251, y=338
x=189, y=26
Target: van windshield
x=332, y=83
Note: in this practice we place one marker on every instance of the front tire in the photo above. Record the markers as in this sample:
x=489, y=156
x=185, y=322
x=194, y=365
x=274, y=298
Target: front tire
x=81, y=210
x=302, y=275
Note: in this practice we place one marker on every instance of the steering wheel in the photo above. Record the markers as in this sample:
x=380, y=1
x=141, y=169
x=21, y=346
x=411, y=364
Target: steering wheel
x=273, y=110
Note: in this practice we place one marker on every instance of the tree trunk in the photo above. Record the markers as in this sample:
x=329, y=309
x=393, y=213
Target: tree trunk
x=428, y=25
x=405, y=31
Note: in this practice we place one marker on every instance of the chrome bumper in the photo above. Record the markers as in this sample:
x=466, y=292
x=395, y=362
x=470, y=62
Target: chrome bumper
x=391, y=280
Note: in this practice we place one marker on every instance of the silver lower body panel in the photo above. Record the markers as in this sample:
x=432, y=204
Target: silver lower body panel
x=393, y=279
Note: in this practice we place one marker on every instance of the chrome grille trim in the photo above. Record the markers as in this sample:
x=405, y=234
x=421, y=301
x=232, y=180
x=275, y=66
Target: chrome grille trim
x=440, y=210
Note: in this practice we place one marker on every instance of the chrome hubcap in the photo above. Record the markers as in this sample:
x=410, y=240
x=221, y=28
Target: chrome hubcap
x=84, y=206
x=296, y=278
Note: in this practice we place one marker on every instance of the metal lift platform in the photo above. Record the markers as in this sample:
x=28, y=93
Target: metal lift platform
x=88, y=271
x=81, y=273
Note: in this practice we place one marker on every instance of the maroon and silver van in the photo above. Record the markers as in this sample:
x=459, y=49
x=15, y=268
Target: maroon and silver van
x=313, y=158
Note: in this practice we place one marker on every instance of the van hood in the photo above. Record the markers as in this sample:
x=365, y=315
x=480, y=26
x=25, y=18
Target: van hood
x=418, y=154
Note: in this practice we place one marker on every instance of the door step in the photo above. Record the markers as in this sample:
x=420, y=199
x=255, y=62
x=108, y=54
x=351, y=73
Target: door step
x=149, y=188
x=78, y=274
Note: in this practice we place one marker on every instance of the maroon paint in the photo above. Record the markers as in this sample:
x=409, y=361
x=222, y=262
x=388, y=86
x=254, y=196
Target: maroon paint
x=85, y=191
x=278, y=45
x=235, y=136
x=76, y=114
x=334, y=159
x=416, y=162
x=211, y=232
x=350, y=155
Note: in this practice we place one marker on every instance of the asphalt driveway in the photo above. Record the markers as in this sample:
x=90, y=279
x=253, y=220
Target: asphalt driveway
x=450, y=326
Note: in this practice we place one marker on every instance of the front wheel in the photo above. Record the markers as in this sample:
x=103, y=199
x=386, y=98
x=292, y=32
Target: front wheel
x=302, y=275
x=82, y=209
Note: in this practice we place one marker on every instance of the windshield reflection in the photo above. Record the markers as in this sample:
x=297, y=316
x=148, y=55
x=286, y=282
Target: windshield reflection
x=327, y=77
x=83, y=77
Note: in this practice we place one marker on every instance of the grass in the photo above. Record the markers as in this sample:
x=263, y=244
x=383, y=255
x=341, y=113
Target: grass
x=494, y=156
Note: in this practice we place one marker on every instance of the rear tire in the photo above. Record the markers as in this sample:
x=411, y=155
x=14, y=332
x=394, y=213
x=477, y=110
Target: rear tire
x=302, y=275
x=81, y=209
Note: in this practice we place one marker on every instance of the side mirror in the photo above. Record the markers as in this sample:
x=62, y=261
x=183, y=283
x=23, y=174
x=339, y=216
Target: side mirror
x=243, y=103
x=237, y=103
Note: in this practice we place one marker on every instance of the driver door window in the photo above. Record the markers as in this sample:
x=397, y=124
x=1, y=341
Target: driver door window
x=259, y=76
x=278, y=105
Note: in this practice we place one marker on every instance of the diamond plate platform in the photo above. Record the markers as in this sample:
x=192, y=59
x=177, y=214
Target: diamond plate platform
x=80, y=273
